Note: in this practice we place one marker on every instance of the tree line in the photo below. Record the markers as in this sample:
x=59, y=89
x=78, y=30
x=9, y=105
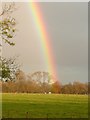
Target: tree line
x=29, y=84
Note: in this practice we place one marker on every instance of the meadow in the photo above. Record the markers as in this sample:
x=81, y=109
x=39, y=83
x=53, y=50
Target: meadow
x=22, y=105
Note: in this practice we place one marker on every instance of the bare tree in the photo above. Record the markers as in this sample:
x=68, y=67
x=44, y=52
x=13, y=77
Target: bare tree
x=41, y=77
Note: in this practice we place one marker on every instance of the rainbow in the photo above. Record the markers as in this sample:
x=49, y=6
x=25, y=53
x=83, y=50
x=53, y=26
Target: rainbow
x=44, y=38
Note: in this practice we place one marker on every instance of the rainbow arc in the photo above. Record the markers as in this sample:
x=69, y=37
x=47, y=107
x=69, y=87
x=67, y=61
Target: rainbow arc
x=45, y=40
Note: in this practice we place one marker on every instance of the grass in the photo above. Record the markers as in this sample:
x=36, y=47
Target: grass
x=44, y=105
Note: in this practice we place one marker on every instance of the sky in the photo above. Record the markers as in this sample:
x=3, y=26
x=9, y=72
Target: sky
x=67, y=26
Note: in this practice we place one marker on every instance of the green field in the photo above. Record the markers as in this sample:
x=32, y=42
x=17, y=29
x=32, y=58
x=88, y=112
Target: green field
x=44, y=105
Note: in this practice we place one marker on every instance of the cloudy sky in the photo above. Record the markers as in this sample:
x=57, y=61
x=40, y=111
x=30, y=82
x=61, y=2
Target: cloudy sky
x=67, y=25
